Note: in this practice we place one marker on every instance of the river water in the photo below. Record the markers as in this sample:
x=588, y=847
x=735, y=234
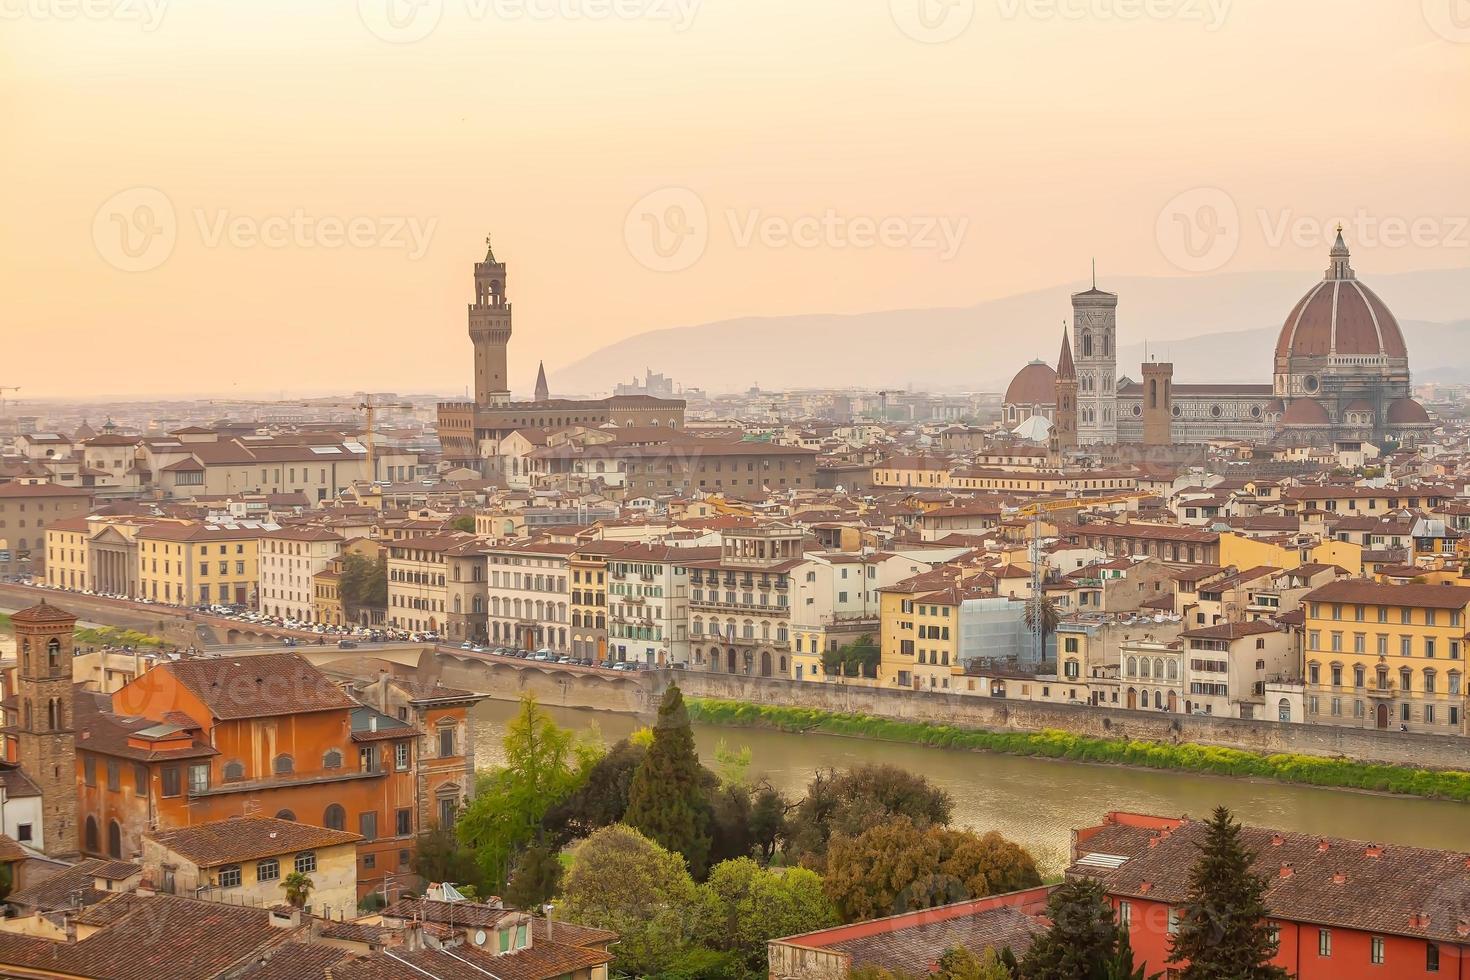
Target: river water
x=1038, y=802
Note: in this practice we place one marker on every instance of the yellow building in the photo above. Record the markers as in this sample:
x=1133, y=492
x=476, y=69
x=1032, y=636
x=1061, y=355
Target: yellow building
x=1386, y=656
x=1244, y=552
x=192, y=563
x=326, y=595
x=919, y=629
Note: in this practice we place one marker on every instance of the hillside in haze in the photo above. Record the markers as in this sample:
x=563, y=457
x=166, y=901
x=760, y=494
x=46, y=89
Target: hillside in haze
x=1220, y=328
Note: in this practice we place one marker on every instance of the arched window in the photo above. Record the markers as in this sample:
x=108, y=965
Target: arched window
x=53, y=652
x=335, y=818
x=234, y=771
x=90, y=843
x=1086, y=343
x=286, y=815
x=284, y=765
x=1173, y=670
x=114, y=840
x=332, y=759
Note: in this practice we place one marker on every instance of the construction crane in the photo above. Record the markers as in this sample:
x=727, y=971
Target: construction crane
x=3, y=390
x=1035, y=617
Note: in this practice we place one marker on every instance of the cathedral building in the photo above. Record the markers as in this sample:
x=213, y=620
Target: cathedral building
x=470, y=432
x=1341, y=374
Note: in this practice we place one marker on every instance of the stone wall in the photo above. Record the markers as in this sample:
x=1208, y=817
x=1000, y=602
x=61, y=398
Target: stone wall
x=968, y=710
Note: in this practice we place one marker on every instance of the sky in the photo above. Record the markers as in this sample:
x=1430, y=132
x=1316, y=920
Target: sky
x=205, y=196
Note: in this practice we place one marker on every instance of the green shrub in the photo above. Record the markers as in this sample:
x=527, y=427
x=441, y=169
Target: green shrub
x=1052, y=744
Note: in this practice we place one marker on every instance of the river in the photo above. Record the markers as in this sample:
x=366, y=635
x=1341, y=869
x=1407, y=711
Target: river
x=1037, y=802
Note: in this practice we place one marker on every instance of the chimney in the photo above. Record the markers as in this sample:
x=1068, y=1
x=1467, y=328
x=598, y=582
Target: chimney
x=1322, y=846
x=1286, y=869
x=1418, y=920
x=1339, y=878
x=1144, y=887
x=1373, y=851
x=1463, y=928
x=1277, y=840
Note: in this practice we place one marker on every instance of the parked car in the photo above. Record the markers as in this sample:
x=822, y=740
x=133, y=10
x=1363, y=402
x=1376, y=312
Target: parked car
x=346, y=645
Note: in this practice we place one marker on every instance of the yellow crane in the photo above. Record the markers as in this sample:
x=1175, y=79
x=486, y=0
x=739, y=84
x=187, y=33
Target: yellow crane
x=367, y=406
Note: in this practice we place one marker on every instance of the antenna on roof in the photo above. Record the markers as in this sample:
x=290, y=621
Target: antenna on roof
x=1094, y=273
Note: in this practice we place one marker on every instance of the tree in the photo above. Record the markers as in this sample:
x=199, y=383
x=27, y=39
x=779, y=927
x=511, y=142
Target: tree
x=544, y=765
x=899, y=867
x=622, y=881
x=364, y=581
x=1082, y=938
x=667, y=801
x=439, y=856
x=602, y=798
x=850, y=802
x=962, y=964
x=858, y=658
x=767, y=821
x=536, y=877
x=750, y=905
x=1044, y=610
x=465, y=523
x=298, y=887
x=1222, y=930
x=699, y=963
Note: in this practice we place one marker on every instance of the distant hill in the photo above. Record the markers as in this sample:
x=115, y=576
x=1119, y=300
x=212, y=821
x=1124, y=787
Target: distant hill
x=1213, y=327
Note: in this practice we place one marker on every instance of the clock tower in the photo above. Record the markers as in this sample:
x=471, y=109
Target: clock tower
x=490, y=330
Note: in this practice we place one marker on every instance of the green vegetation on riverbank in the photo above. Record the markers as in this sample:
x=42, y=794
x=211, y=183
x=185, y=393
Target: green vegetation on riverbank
x=1051, y=744
x=101, y=636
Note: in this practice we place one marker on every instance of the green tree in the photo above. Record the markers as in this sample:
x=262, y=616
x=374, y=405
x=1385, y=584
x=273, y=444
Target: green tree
x=699, y=963
x=1044, y=610
x=899, y=867
x=298, y=887
x=768, y=821
x=622, y=881
x=602, y=799
x=1222, y=930
x=536, y=877
x=544, y=765
x=668, y=800
x=962, y=964
x=1083, y=936
x=856, y=659
x=750, y=905
x=364, y=581
x=439, y=856
x=852, y=801
x=465, y=522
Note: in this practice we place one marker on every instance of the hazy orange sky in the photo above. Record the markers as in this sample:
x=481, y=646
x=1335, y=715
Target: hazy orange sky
x=210, y=196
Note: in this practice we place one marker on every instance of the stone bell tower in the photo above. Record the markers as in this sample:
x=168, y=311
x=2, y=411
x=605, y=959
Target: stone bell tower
x=43, y=723
x=490, y=330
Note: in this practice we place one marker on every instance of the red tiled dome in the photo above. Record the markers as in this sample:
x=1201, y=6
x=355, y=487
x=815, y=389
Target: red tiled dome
x=1306, y=411
x=1341, y=316
x=1406, y=411
x=1034, y=384
x=44, y=612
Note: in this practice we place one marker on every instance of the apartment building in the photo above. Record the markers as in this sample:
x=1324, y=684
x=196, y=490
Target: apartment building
x=418, y=593
x=1386, y=656
x=26, y=510
x=587, y=567
x=529, y=595
x=648, y=602
x=740, y=602
x=836, y=600
x=189, y=563
x=289, y=558
x=1228, y=668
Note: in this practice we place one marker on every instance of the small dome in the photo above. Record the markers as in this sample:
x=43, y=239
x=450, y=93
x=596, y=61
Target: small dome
x=1305, y=411
x=1034, y=384
x=1359, y=405
x=1406, y=411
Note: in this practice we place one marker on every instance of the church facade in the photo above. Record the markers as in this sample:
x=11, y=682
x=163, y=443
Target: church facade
x=1341, y=373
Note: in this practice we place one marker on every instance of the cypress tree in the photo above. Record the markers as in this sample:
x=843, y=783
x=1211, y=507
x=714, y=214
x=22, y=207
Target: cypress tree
x=667, y=802
x=1083, y=936
x=1222, y=930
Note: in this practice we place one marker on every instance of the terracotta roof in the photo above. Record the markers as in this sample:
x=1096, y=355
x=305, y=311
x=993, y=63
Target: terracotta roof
x=247, y=839
x=543, y=960
x=1034, y=384
x=258, y=686
x=1340, y=316
x=14, y=489
x=42, y=613
x=1383, y=594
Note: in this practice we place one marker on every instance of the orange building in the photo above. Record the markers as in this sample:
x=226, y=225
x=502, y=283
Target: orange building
x=204, y=739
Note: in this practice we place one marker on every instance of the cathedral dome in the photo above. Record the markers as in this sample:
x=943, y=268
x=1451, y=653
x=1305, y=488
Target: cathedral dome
x=1406, y=411
x=1340, y=316
x=1305, y=411
x=1034, y=384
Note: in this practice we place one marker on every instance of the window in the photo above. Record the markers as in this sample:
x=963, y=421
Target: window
x=1173, y=921
x=1324, y=942
x=268, y=870
x=332, y=759
x=306, y=862
x=89, y=770
x=335, y=818
x=1375, y=953
x=400, y=756
x=446, y=741
x=229, y=876
x=367, y=825
x=1125, y=914
x=169, y=776
x=234, y=772
x=403, y=822
x=23, y=832
x=1431, y=958
x=284, y=765
x=198, y=778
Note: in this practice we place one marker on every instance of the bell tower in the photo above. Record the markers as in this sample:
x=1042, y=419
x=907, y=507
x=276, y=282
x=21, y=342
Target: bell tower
x=1064, y=426
x=43, y=724
x=1094, y=335
x=490, y=330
